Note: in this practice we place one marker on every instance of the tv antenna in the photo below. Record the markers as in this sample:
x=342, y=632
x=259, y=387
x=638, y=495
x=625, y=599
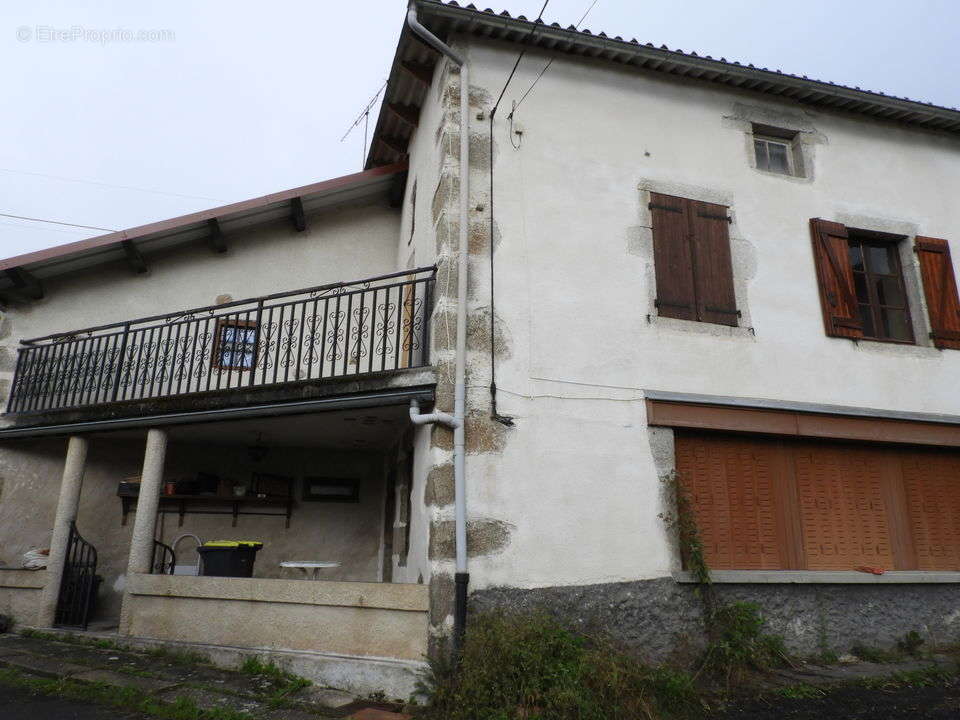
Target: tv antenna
x=364, y=117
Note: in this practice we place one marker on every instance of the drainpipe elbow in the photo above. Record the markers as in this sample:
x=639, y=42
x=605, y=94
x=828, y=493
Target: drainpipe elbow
x=418, y=418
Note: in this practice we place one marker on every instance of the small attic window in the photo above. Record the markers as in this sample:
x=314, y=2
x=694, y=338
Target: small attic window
x=775, y=150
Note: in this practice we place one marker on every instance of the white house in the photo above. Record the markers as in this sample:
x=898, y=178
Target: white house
x=670, y=265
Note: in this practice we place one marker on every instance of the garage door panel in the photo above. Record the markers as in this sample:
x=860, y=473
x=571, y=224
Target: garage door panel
x=933, y=508
x=792, y=504
x=842, y=508
x=730, y=484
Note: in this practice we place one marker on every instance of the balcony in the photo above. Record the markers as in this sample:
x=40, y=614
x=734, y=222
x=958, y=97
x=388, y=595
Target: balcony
x=349, y=329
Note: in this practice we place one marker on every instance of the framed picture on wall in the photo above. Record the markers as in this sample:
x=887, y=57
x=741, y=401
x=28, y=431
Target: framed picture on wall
x=328, y=489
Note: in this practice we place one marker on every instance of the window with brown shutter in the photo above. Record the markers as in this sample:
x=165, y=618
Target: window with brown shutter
x=838, y=299
x=940, y=289
x=691, y=254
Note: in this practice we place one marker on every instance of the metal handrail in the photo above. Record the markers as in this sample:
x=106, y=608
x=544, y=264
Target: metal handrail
x=340, y=329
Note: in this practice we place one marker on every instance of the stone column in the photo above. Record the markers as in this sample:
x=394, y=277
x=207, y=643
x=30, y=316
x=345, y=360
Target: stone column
x=67, y=505
x=145, y=523
x=145, y=520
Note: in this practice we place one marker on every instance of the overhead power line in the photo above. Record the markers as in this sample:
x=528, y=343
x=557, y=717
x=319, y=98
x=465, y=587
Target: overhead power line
x=494, y=414
x=549, y=63
x=109, y=185
x=57, y=222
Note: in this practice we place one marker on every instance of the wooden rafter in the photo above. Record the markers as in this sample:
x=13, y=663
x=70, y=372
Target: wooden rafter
x=25, y=286
x=299, y=219
x=134, y=258
x=215, y=239
x=409, y=114
x=421, y=72
x=395, y=144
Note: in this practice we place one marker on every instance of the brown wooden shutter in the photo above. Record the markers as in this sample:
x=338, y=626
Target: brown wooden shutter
x=731, y=484
x=940, y=289
x=712, y=267
x=676, y=296
x=841, y=314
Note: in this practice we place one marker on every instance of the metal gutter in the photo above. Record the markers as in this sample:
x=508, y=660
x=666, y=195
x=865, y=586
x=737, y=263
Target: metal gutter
x=373, y=399
x=820, y=408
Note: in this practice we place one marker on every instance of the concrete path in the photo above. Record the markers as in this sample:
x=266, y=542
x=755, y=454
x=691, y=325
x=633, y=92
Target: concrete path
x=169, y=678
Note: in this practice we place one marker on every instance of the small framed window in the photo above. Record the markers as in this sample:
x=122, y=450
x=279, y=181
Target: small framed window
x=881, y=294
x=326, y=489
x=775, y=150
x=235, y=345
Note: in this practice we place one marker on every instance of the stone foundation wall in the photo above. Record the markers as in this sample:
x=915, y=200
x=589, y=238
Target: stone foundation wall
x=662, y=619
x=20, y=594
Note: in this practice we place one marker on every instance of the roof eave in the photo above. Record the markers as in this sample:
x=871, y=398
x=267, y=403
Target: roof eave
x=445, y=19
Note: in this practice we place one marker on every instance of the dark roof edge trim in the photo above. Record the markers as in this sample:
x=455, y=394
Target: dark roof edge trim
x=926, y=112
x=804, y=407
x=140, y=231
x=348, y=402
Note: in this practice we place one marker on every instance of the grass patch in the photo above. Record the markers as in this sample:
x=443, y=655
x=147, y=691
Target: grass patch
x=801, y=692
x=280, y=684
x=877, y=655
x=910, y=643
x=53, y=637
x=128, y=699
x=924, y=677
x=738, y=643
x=174, y=656
x=531, y=667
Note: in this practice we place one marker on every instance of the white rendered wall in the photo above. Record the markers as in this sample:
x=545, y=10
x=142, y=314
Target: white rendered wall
x=576, y=477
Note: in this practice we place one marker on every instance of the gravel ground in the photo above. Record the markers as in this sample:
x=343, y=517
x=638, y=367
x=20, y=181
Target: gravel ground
x=855, y=703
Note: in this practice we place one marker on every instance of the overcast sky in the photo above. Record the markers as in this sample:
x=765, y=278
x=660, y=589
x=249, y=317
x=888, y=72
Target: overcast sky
x=230, y=99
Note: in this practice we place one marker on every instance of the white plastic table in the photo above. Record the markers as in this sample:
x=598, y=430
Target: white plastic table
x=307, y=565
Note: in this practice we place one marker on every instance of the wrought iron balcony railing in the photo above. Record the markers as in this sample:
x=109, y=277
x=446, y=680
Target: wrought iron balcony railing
x=342, y=329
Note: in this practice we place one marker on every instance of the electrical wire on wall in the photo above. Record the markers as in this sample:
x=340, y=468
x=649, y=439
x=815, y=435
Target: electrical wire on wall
x=494, y=414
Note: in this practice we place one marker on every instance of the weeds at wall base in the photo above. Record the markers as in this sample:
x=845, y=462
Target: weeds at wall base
x=529, y=666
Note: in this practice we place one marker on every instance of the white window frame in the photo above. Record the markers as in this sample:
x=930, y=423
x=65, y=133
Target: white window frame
x=787, y=144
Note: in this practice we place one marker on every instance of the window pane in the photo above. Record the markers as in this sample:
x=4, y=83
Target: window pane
x=866, y=317
x=895, y=324
x=778, y=158
x=889, y=291
x=760, y=147
x=860, y=283
x=879, y=260
x=856, y=257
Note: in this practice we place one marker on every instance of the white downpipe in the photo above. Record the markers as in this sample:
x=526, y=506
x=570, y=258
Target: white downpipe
x=459, y=392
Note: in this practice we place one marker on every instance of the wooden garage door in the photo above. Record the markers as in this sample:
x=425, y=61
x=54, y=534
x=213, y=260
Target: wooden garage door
x=764, y=504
